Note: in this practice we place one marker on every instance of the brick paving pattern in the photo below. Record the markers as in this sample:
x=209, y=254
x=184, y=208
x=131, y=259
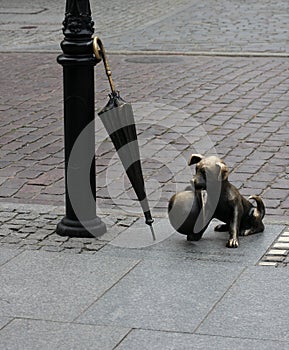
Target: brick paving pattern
x=240, y=103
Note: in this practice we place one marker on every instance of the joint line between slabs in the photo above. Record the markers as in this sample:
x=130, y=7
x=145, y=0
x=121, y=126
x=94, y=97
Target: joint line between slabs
x=218, y=301
x=107, y=290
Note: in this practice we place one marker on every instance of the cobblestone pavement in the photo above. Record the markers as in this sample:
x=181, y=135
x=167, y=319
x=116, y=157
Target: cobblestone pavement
x=32, y=227
x=236, y=107
x=166, y=25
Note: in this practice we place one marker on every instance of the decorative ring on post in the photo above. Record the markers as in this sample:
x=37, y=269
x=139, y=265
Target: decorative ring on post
x=96, y=49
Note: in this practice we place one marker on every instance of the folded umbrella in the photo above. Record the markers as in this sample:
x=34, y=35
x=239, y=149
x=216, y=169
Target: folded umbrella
x=118, y=120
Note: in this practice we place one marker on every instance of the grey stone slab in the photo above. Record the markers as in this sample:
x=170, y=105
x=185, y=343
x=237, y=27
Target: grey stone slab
x=33, y=334
x=257, y=307
x=152, y=340
x=170, y=295
x=7, y=254
x=4, y=321
x=54, y=286
x=212, y=245
x=138, y=235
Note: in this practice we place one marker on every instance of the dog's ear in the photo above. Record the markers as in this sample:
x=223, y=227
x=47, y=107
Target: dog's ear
x=224, y=171
x=195, y=158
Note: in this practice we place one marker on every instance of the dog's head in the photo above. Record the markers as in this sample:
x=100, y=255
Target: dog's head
x=209, y=170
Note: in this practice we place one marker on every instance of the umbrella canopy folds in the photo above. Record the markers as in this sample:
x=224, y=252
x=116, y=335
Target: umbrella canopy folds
x=118, y=120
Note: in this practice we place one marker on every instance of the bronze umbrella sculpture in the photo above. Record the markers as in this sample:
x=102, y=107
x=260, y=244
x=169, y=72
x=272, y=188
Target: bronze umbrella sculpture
x=118, y=120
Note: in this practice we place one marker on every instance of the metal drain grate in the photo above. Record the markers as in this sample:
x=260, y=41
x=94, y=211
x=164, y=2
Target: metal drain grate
x=278, y=251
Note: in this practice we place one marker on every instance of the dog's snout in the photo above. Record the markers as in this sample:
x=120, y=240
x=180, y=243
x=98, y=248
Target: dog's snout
x=199, y=183
x=200, y=186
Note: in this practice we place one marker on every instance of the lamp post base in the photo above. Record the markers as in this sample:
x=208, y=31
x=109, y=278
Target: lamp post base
x=87, y=229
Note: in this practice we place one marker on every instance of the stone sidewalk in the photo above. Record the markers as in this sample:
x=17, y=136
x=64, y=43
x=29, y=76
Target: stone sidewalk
x=206, y=77
x=170, y=295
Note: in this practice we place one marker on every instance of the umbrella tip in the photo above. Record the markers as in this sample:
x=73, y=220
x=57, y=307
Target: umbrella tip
x=153, y=232
x=150, y=223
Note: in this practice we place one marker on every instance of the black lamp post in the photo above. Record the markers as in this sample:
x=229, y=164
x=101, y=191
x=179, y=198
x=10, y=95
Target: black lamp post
x=78, y=64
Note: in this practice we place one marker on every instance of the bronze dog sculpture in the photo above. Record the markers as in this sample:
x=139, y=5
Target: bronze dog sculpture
x=224, y=202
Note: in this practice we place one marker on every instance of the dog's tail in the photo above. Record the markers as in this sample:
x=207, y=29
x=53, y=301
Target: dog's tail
x=260, y=210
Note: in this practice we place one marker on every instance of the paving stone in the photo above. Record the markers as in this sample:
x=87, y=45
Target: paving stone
x=170, y=295
x=6, y=216
x=22, y=234
x=41, y=234
x=50, y=217
x=6, y=255
x=70, y=244
x=274, y=258
x=50, y=242
x=59, y=238
x=92, y=240
x=261, y=317
x=154, y=340
x=28, y=230
x=25, y=334
x=7, y=192
x=27, y=216
x=48, y=279
x=281, y=245
x=30, y=246
x=277, y=252
x=5, y=231
x=94, y=247
x=19, y=222
x=71, y=250
x=31, y=240
x=4, y=321
x=211, y=247
x=11, y=240
x=51, y=248
x=267, y=263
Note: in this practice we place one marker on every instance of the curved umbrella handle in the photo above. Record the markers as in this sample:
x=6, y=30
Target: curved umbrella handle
x=99, y=53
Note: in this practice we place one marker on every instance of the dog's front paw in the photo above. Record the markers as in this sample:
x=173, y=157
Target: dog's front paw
x=193, y=237
x=232, y=243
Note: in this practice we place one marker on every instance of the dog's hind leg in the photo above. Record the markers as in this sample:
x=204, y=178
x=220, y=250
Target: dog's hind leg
x=259, y=228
